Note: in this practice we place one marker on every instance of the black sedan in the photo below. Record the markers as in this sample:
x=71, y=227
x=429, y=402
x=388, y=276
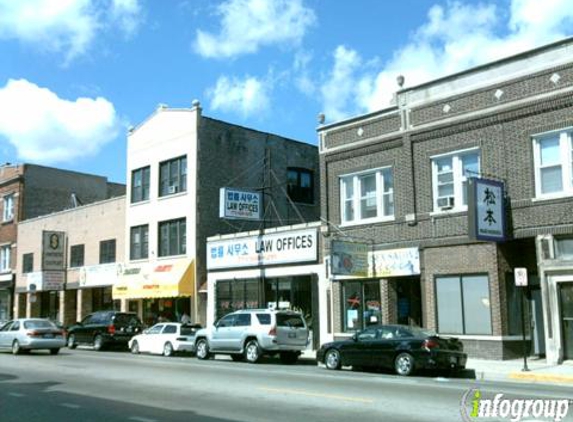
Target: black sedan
x=399, y=347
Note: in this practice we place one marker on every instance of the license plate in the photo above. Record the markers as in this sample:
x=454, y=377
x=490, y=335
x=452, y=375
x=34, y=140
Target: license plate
x=291, y=335
x=48, y=336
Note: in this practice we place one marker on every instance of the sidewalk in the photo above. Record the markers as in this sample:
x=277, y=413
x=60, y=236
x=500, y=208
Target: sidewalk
x=507, y=370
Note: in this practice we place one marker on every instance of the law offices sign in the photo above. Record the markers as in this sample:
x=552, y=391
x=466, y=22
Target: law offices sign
x=486, y=210
x=268, y=249
x=240, y=204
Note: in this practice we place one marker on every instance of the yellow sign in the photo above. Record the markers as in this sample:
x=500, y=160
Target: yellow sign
x=169, y=279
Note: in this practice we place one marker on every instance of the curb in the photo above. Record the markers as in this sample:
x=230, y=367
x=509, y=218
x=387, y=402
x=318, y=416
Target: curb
x=549, y=378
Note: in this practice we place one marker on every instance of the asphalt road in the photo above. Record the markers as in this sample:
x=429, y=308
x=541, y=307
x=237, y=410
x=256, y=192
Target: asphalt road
x=83, y=385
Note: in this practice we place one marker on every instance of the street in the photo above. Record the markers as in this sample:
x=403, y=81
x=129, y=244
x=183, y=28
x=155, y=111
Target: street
x=83, y=385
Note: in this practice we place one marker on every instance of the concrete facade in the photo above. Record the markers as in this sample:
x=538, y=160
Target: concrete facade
x=498, y=112
x=85, y=226
x=218, y=154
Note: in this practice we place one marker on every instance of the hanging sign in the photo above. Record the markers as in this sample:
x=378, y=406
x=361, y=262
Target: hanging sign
x=240, y=204
x=486, y=210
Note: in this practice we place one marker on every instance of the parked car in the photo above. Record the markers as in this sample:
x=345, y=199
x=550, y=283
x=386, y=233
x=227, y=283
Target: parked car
x=165, y=339
x=402, y=348
x=104, y=328
x=249, y=334
x=25, y=334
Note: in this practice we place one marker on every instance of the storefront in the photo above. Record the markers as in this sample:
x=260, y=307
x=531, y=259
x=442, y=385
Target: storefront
x=6, y=288
x=157, y=292
x=42, y=294
x=277, y=269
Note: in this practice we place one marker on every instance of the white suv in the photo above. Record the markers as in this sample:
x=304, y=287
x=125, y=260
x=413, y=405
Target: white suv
x=249, y=334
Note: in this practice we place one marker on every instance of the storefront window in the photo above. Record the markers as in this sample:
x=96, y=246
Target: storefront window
x=362, y=305
x=233, y=295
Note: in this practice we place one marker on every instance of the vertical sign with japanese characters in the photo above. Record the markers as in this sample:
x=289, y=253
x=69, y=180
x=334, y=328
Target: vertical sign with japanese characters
x=486, y=210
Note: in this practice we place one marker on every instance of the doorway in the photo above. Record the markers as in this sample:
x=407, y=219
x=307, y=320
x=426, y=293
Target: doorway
x=409, y=301
x=566, y=305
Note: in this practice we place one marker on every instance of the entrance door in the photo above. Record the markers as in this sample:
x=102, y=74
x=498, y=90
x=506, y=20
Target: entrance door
x=537, y=322
x=566, y=299
x=409, y=303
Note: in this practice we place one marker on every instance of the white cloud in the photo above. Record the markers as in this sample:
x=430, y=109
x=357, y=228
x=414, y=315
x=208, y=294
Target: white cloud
x=455, y=37
x=244, y=96
x=44, y=128
x=247, y=25
x=68, y=27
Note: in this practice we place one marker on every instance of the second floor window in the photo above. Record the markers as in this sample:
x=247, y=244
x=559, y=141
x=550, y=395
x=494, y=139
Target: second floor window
x=367, y=196
x=27, y=263
x=77, y=256
x=553, y=157
x=5, y=258
x=173, y=176
x=107, y=251
x=172, y=237
x=139, y=242
x=8, y=209
x=300, y=186
x=450, y=178
x=140, y=185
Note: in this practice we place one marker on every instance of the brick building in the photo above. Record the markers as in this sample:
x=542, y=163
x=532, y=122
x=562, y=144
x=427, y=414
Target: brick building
x=28, y=191
x=91, y=244
x=177, y=161
x=395, y=194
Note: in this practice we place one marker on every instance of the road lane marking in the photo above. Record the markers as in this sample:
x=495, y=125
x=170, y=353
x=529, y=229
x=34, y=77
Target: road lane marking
x=141, y=419
x=70, y=405
x=321, y=395
x=16, y=394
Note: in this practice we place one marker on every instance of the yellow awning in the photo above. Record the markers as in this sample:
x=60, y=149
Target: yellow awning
x=169, y=279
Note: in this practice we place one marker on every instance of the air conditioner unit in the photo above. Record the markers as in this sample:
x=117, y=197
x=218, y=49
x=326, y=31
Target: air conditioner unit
x=446, y=203
x=172, y=189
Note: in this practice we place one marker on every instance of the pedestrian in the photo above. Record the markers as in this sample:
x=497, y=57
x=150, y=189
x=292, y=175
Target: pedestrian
x=185, y=319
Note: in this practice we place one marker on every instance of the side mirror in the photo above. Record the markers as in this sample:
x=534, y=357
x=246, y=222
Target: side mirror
x=355, y=337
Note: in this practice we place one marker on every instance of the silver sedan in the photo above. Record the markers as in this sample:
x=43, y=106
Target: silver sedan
x=24, y=334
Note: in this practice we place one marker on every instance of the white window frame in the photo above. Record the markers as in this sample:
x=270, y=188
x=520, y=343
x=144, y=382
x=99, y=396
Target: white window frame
x=5, y=251
x=566, y=163
x=458, y=179
x=356, y=198
x=8, y=207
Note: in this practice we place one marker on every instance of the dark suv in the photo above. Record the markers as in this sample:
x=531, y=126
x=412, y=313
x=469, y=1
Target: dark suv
x=104, y=328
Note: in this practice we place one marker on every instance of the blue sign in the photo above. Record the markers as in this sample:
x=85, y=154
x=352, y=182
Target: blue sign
x=486, y=210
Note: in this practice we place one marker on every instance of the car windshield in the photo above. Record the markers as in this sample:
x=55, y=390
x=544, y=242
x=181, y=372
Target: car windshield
x=287, y=320
x=126, y=320
x=38, y=323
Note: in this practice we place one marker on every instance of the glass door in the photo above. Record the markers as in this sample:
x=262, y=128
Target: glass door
x=566, y=299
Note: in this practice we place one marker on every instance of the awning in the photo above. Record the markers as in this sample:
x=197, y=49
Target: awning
x=169, y=279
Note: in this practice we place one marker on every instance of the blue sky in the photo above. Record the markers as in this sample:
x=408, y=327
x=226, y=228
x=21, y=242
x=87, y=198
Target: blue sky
x=75, y=74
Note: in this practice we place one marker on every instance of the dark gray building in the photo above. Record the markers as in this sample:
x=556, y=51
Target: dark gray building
x=395, y=189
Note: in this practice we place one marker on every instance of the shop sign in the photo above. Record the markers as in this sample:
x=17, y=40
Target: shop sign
x=350, y=258
x=486, y=210
x=53, y=251
x=396, y=262
x=269, y=249
x=100, y=275
x=45, y=281
x=240, y=204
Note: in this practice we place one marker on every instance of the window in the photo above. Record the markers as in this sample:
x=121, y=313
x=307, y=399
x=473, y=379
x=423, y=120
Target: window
x=8, y=213
x=139, y=242
x=227, y=321
x=172, y=237
x=450, y=178
x=463, y=304
x=243, y=320
x=140, y=185
x=367, y=197
x=4, y=258
x=170, y=329
x=173, y=176
x=77, y=256
x=564, y=247
x=362, y=306
x=27, y=263
x=300, y=185
x=107, y=251
x=553, y=159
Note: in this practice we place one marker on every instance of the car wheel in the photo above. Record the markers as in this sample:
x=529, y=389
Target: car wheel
x=98, y=343
x=135, y=347
x=202, y=349
x=332, y=359
x=72, y=341
x=55, y=351
x=237, y=358
x=288, y=358
x=16, y=349
x=252, y=351
x=168, y=349
x=404, y=364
